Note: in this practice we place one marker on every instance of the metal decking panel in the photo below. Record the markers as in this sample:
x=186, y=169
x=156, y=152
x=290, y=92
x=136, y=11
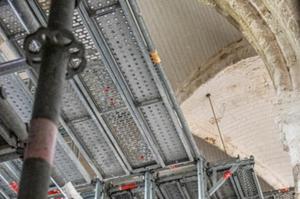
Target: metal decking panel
x=66, y=168
x=163, y=129
x=137, y=129
x=136, y=75
x=128, y=137
x=108, y=100
x=130, y=59
x=246, y=179
x=111, y=21
x=9, y=22
x=72, y=107
x=96, y=78
x=21, y=101
x=100, y=4
x=97, y=147
x=100, y=87
x=16, y=96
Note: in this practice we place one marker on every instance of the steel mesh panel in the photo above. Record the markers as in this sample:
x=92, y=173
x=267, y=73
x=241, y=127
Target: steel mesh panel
x=13, y=28
x=129, y=138
x=245, y=177
x=95, y=77
x=172, y=191
x=98, y=4
x=45, y=5
x=72, y=107
x=95, y=143
x=66, y=167
x=16, y=96
x=124, y=47
x=101, y=88
x=19, y=39
x=164, y=131
x=83, y=36
x=77, y=21
x=288, y=195
x=91, y=53
x=9, y=21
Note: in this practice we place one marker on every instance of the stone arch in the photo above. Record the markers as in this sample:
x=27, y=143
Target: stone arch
x=273, y=29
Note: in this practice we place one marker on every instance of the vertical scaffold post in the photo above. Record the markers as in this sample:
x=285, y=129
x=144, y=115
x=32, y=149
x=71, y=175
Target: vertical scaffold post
x=53, y=57
x=201, y=179
x=99, y=193
x=148, y=186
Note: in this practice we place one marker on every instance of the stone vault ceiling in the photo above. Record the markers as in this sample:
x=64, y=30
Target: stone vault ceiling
x=186, y=34
x=244, y=100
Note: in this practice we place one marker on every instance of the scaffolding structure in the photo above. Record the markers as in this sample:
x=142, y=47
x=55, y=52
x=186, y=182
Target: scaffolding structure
x=119, y=116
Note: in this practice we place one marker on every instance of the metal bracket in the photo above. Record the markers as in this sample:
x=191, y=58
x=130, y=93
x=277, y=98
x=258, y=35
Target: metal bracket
x=34, y=45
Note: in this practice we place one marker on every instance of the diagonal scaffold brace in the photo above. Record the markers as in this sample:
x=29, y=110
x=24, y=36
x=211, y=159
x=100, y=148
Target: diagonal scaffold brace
x=56, y=54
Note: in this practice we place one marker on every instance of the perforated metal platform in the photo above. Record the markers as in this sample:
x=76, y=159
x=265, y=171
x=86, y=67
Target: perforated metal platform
x=119, y=113
x=20, y=98
x=125, y=92
x=118, y=110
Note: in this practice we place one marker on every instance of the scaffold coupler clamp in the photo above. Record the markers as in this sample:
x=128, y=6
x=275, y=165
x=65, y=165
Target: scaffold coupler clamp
x=34, y=46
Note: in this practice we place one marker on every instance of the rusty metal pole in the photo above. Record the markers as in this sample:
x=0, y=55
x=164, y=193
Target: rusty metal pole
x=55, y=57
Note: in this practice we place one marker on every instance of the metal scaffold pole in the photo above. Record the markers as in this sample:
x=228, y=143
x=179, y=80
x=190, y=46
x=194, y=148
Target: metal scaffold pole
x=99, y=192
x=57, y=54
x=148, y=186
x=201, y=179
